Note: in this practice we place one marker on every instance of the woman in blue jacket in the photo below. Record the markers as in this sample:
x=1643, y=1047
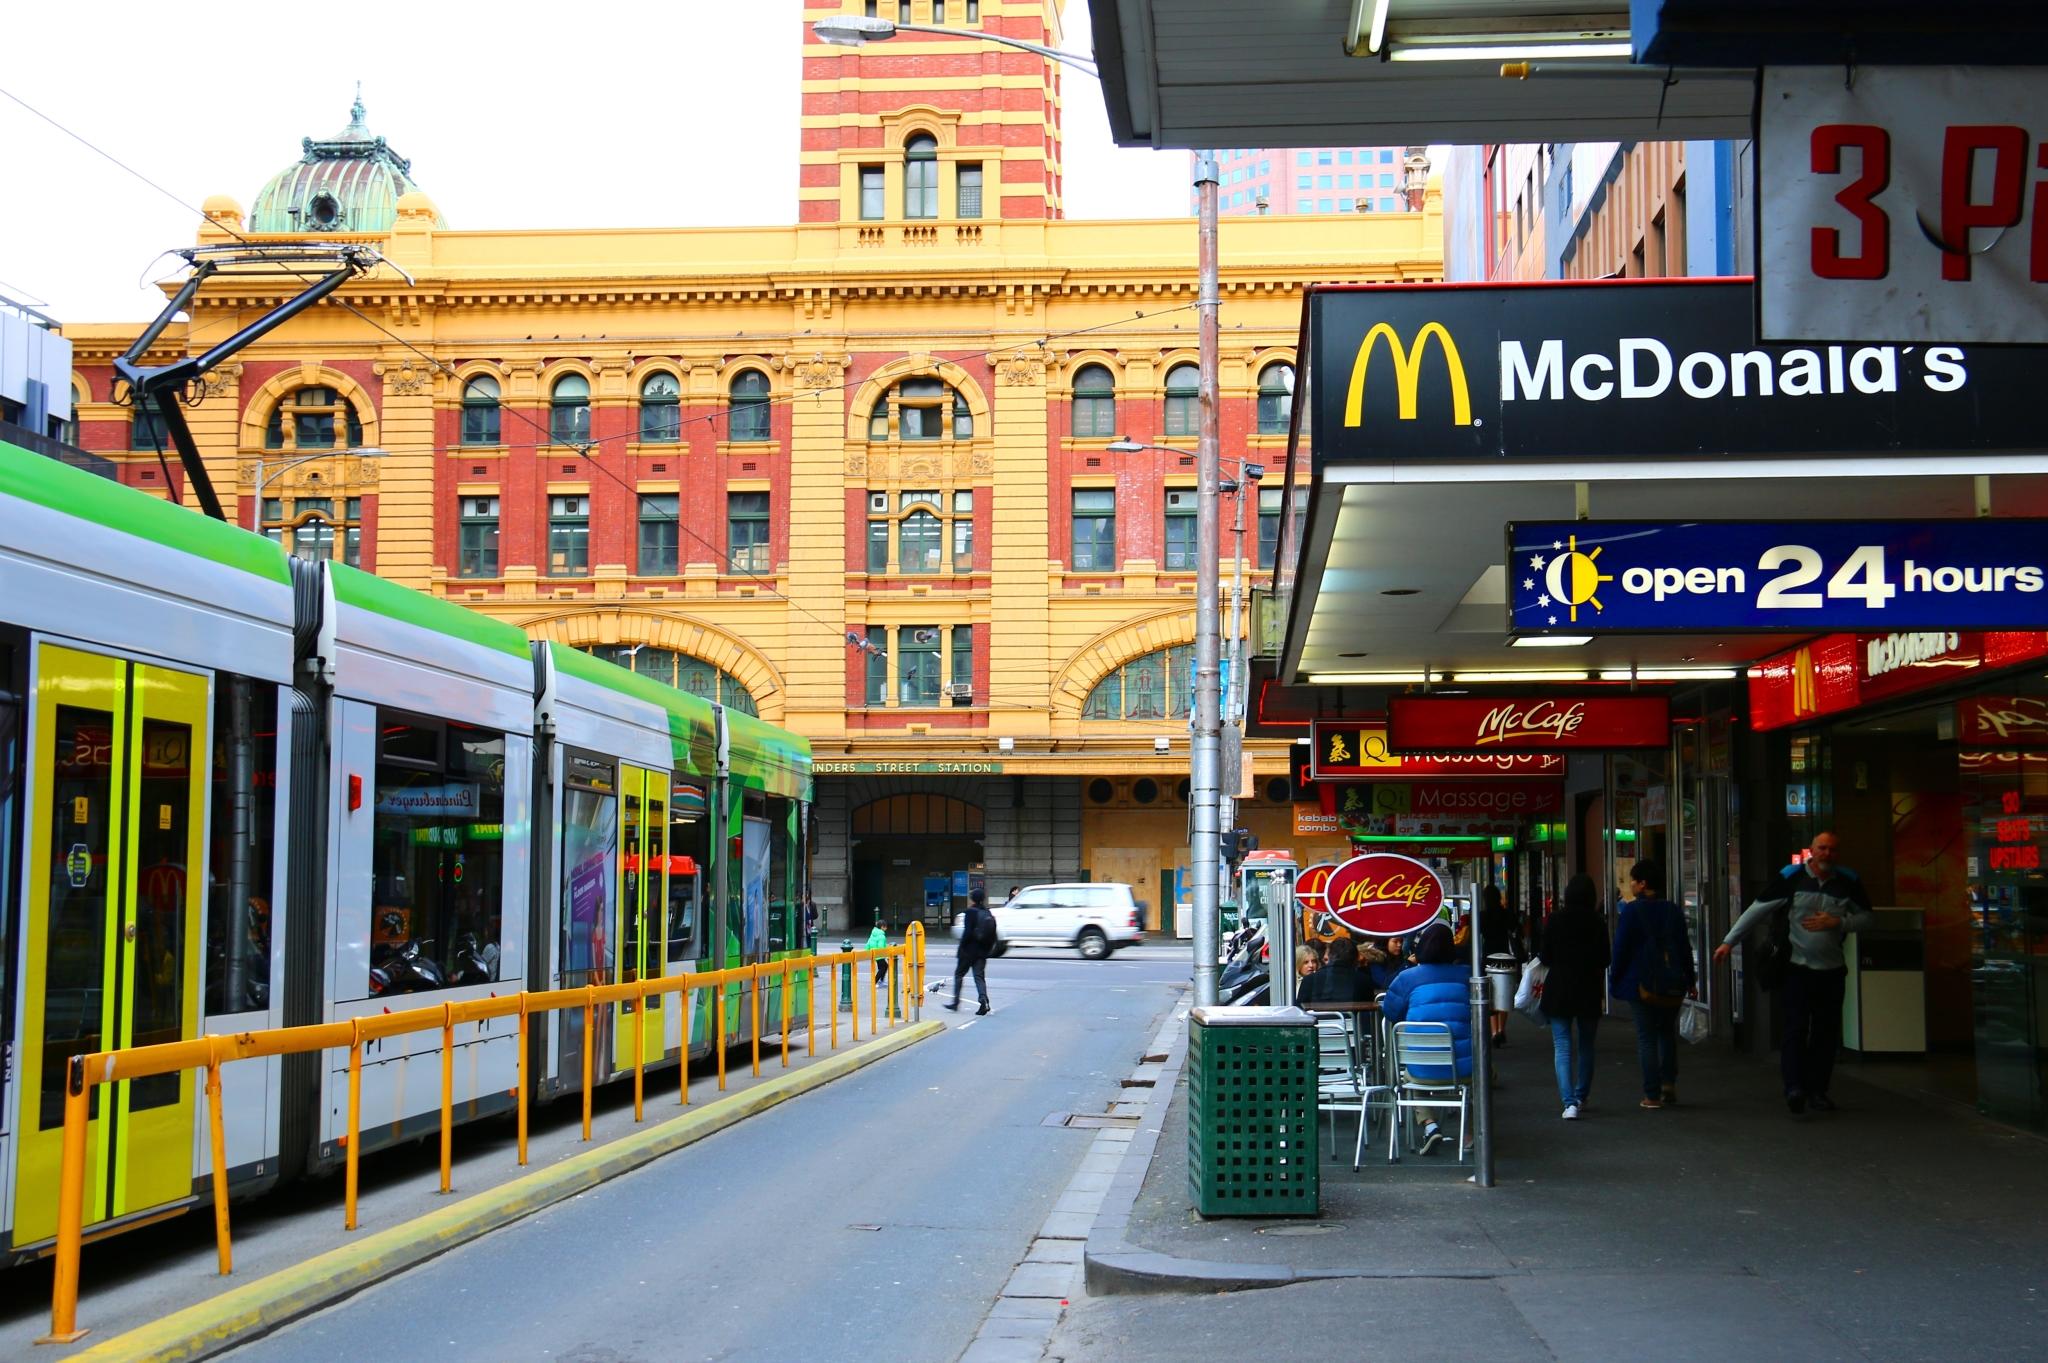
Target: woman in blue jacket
x=1437, y=988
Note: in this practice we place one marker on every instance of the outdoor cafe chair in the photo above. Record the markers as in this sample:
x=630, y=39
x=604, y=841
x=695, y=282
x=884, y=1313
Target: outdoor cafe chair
x=1418, y=1044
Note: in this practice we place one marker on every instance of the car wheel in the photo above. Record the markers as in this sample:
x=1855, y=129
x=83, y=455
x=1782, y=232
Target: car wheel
x=1094, y=946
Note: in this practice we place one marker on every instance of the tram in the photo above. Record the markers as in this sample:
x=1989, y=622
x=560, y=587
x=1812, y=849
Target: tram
x=240, y=790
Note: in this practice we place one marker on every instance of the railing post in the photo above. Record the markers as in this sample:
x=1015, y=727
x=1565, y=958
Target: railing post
x=874, y=1014
x=524, y=1045
x=754, y=1004
x=832, y=979
x=785, y=1012
x=718, y=1025
x=853, y=1009
x=896, y=981
x=683, y=1064
x=589, y=1046
x=218, y=1140
x=640, y=1052
x=811, y=1005
x=70, y=1208
x=355, y=1120
x=447, y=1097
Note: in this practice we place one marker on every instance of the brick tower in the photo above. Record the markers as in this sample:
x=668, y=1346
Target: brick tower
x=929, y=126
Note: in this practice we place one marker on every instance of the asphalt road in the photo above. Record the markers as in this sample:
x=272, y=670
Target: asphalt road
x=874, y=1219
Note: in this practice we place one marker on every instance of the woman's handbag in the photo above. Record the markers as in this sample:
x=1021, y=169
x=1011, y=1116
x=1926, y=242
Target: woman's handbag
x=1695, y=1022
x=1529, y=998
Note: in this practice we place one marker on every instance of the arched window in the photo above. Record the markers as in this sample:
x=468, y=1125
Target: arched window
x=681, y=671
x=921, y=177
x=1183, y=400
x=1094, y=401
x=480, y=411
x=569, y=411
x=1156, y=686
x=926, y=409
x=661, y=409
x=749, y=395
x=1276, y=398
x=921, y=543
x=314, y=417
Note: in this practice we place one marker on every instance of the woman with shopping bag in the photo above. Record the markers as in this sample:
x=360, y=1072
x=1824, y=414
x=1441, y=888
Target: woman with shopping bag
x=1574, y=952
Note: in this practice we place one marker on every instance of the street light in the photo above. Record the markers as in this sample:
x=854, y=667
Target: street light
x=1204, y=783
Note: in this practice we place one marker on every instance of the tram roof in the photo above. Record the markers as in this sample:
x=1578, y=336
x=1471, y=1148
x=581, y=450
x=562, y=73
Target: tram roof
x=368, y=592
x=691, y=722
x=766, y=758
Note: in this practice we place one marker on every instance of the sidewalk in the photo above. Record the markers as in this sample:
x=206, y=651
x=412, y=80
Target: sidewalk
x=1894, y=1228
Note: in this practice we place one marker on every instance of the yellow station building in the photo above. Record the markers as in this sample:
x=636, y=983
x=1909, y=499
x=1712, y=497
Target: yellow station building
x=850, y=473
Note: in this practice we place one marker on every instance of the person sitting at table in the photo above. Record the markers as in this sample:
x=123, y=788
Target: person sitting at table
x=1437, y=988
x=1383, y=960
x=1306, y=963
x=1339, y=981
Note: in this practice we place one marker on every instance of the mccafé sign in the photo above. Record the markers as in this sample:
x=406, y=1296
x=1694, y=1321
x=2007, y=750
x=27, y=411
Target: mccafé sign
x=1633, y=370
x=1527, y=723
x=2003, y=721
x=1383, y=894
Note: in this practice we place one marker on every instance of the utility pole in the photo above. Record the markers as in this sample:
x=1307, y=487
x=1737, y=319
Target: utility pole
x=1205, y=847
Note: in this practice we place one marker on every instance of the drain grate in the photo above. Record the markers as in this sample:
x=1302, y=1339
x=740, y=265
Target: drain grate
x=1092, y=1119
x=1308, y=1228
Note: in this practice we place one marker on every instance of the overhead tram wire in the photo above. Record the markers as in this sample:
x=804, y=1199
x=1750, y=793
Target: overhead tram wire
x=585, y=447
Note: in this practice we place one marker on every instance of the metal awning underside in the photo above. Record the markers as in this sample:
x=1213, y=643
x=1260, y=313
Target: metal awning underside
x=1212, y=73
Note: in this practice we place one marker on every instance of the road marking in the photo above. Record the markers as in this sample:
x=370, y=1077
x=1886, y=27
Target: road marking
x=965, y=1025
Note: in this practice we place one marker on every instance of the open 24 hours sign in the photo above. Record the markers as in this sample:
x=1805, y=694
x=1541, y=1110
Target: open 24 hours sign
x=1659, y=577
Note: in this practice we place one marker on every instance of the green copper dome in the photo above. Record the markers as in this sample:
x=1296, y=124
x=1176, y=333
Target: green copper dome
x=350, y=182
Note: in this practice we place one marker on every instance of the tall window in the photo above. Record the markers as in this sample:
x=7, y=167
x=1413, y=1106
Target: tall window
x=961, y=677
x=568, y=536
x=1180, y=530
x=477, y=538
x=1157, y=686
x=921, y=176
x=1094, y=530
x=660, y=534
x=748, y=402
x=924, y=531
x=922, y=543
x=480, y=411
x=569, y=411
x=903, y=15
x=968, y=201
x=873, y=193
x=1276, y=398
x=876, y=690
x=1094, y=401
x=917, y=665
x=314, y=416
x=746, y=531
x=1269, y=523
x=926, y=409
x=149, y=431
x=681, y=671
x=661, y=409
x=1183, y=400
x=963, y=532
x=878, y=540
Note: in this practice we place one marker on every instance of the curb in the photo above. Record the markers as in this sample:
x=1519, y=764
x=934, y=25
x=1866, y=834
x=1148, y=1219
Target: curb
x=243, y=1313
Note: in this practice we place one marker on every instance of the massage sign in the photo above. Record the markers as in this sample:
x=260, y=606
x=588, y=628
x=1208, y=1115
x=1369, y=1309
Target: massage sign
x=1383, y=894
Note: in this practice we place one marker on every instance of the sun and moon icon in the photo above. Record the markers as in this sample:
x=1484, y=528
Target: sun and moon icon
x=1573, y=578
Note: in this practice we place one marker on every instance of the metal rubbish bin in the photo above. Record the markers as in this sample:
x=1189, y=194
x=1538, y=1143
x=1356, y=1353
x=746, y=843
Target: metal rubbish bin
x=1252, y=1144
x=1503, y=977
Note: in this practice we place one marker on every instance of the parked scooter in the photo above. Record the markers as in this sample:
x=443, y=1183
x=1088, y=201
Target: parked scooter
x=474, y=964
x=404, y=968
x=1246, y=970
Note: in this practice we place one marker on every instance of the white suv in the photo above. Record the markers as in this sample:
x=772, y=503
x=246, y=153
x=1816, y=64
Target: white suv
x=1095, y=918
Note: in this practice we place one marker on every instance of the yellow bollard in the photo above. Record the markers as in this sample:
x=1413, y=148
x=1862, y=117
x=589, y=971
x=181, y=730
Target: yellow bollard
x=217, y=1130
x=683, y=1064
x=589, y=1045
x=447, y=1097
x=522, y=1078
x=70, y=1209
x=785, y=1012
x=639, y=1051
x=355, y=1122
x=754, y=1002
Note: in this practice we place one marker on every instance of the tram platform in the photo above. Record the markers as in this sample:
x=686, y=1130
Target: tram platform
x=1903, y=1226
x=137, y=1280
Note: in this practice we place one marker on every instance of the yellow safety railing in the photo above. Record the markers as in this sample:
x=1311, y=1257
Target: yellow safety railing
x=211, y=1052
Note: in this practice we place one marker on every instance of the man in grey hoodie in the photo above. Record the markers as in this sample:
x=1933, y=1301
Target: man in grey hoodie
x=1823, y=903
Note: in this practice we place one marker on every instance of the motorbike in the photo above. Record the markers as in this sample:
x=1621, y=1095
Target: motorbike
x=1246, y=969
x=474, y=964
x=404, y=968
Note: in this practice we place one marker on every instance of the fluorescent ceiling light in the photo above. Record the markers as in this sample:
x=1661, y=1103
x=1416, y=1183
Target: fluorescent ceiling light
x=1539, y=675
x=1553, y=640
x=1504, y=51
x=1365, y=678
x=1668, y=674
x=1368, y=27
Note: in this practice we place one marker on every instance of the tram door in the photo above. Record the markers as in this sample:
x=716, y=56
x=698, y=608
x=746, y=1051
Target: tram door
x=642, y=927
x=116, y=876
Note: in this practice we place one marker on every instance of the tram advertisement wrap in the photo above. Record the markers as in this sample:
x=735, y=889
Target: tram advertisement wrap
x=1384, y=894
x=1653, y=577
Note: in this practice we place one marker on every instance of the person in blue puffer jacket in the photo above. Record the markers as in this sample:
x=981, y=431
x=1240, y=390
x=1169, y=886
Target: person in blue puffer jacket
x=1437, y=988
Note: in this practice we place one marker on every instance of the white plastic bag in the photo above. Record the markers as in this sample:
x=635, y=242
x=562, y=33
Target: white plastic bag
x=1529, y=997
x=1695, y=1023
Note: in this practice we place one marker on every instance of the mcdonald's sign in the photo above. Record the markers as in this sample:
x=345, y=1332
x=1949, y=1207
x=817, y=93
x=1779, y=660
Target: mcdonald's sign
x=1408, y=372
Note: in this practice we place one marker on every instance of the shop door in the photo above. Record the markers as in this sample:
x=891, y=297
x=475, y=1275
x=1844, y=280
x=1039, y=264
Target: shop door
x=115, y=878
x=643, y=908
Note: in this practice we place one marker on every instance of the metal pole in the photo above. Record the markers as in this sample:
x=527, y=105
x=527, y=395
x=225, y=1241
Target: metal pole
x=1204, y=844
x=1482, y=1058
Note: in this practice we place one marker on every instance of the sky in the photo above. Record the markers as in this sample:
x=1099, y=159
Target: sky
x=681, y=113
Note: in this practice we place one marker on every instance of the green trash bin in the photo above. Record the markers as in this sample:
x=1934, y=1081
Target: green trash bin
x=1252, y=1145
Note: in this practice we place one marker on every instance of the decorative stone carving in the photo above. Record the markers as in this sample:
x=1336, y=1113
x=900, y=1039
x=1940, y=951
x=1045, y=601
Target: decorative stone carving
x=1019, y=371
x=857, y=460
x=219, y=381
x=406, y=379
x=983, y=463
x=819, y=371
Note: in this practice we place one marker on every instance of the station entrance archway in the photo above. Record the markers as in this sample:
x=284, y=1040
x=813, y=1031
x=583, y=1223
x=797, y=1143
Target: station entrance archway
x=914, y=856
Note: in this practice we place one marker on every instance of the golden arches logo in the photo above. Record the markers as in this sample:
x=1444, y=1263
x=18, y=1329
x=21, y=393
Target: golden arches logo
x=1408, y=372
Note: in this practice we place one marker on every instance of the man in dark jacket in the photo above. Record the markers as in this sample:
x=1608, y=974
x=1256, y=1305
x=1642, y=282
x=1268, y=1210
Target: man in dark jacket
x=1435, y=989
x=1653, y=972
x=1574, y=951
x=977, y=939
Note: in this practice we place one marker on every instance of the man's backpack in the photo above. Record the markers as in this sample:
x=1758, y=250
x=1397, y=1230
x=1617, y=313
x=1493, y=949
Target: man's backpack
x=1666, y=975
x=985, y=929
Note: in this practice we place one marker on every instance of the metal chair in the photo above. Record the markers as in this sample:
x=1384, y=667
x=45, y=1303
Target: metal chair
x=1337, y=1073
x=1430, y=1044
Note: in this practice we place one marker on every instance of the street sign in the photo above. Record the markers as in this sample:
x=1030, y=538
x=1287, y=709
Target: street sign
x=1651, y=577
x=1527, y=723
x=1633, y=370
x=1384, y=894
x=1903, y=204
x=1344, y=748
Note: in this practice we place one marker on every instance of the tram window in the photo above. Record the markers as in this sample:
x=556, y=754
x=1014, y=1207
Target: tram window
x=239, y=913
x=689, y=851
x=779, y=903
x=80, y=793
x=437, y=863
